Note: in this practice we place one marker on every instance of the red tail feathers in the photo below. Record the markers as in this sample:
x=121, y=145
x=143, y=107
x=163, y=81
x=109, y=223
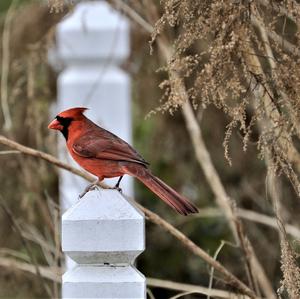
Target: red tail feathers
x=167, y=194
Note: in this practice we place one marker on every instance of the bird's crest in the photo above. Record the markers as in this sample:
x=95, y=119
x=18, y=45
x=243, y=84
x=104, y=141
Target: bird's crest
x=73, y=112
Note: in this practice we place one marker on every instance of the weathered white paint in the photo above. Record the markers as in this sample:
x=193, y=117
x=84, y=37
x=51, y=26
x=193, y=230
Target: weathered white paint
x=102, y=228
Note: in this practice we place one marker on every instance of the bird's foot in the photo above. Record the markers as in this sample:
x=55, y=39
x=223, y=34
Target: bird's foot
x=89, y=187
x=115, y=188
x=118, y=188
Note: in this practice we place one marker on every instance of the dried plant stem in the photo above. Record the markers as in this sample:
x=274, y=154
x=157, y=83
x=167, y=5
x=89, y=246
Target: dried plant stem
x=54, y=275
x=267, y=220
x=272, y=113
x=203, y=157
x=5, y=66
x=49, y=158
x=212, y=270
x=45, y=272
x=289, y=47
x=202, y=154
x=253, y=216
x=277, y=7
x=271, y=180
x=223, y=200
x=211, y=174
x=289, y=266
x=27, y=246
x=120, y=5
x=258, y=23
x=229, y=277
x=176, y=286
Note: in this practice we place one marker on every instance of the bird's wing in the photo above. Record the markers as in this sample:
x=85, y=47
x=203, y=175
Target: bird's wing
x=107, y=146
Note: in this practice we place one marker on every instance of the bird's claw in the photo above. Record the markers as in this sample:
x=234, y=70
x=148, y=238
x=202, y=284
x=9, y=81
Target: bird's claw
x=88, y=188
x=118, y=189
x=115, y=188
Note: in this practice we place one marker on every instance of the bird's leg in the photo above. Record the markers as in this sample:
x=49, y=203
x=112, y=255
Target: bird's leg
x=118, y=184
x=89, y=187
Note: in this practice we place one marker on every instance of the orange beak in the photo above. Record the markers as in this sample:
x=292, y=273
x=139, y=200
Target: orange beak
x=55, y=125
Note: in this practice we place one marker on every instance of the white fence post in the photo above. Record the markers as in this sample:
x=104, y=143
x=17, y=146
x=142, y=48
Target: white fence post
x=103, y=233
x=91, y=44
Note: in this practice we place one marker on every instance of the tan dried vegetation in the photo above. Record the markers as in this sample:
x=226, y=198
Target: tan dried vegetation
x=241, y=57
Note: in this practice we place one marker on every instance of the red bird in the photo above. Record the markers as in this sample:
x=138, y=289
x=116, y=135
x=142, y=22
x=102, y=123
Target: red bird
x=106, y=156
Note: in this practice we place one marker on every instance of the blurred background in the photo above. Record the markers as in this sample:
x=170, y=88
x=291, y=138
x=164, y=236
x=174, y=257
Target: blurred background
x=29, y=186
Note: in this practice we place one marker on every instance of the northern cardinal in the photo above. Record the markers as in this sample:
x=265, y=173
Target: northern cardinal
x=105, y=155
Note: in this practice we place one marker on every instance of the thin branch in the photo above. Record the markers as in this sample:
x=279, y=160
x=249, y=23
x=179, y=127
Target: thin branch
x=183, y=294
x=9, y=152
x=228, y=276
x=5, y=66
x=150, y=294
x=285, y=44
x=189, y=244
x=247, y=215
x=212, y=270
x=27, y=246
x=176, y=286
x=269, y=221
x=203, y=157
x=54, y=274
x=45, y=272
x=278, y=8
x=263, y=94
x=265, y=34
x=120, y=5
x=14, y=253
x=223, y=200
x=49, y=158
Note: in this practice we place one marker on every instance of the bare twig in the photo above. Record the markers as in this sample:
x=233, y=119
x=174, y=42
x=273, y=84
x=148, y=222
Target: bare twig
x=278, y=8
x=203, y=157
x=31, y=234
x=286, y=45
x=229, y=277
x=267, y=220
x=176, y=286
x=150, y=294
x=27, y=246
x=49, y=158
x=9, y=152
x=222, y=198
x=5, y=66
x=45, y=272
x=121, y=5
x=183, y=294
x=247, y=215
x=180, y=90
x=189, y=244
x=263, y=94
x=14, y=253
x=211, y=276
x=54, y=274
x=258, y=23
